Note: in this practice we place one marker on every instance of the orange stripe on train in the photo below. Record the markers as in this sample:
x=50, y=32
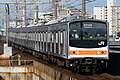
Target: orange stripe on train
x=88, y=52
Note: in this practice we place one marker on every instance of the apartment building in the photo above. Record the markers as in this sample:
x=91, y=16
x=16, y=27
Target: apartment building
x=110, y=13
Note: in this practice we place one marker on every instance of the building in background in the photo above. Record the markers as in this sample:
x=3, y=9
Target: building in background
x=111, y=13
x=115, y=27
x=110, y=4
x=100, y=12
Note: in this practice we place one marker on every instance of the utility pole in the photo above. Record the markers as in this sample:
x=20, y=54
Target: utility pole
x=24, y=13
x=83, y=7
x=7, y=21
x=37, y=14
x=16, y=13
x=55, y=5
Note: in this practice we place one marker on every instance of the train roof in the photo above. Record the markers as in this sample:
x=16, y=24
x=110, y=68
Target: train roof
x=59, y=23
x=88, y=20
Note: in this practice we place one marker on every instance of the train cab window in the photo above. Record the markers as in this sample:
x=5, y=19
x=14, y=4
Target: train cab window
x=75, y=31
x=87, y=34
x=94, y=31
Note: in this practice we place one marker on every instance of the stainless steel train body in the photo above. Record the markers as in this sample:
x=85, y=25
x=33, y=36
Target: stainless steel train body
x=78, y=39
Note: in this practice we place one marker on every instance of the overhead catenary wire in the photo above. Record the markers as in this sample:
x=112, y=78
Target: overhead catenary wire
x=69, y=4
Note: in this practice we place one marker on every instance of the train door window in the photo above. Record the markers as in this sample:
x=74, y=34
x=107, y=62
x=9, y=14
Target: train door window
x=40, y=41
x=61, y=40
x=48, y=37
x=33, y=39
x=56, y=37
x=41, y=37
x=44, y=36
x=10, y=34
x=13, y=34
x=52, y=37
x=43, y=41
x=59, y=51
x=25, y=37
x=22, y=35
x=46, y=41
x=37, y=36
x=53, y=41
x=36, y=40
x=64, y=39
x=29, y=36
x=18, y=35
x=33, y=36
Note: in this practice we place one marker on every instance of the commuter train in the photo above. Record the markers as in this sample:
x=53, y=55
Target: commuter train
x=80, y=45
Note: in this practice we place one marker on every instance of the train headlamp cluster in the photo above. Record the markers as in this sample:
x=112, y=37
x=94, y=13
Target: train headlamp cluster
x=88, y=52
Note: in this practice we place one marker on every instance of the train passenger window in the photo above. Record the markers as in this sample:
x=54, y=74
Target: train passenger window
x=52, y=37
x=56, y=37
x=61, y=37
x=48, y=37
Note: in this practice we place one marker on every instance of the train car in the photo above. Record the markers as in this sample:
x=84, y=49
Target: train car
x=81, y=45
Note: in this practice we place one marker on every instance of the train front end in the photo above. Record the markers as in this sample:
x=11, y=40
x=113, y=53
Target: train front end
x=88, y=42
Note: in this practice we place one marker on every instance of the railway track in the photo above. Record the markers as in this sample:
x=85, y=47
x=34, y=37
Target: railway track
x=73, y=76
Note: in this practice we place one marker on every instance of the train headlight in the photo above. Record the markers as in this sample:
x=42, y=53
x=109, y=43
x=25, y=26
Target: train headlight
x=102, y=61
x=77, y=52
x=98, y=52
x=71, y=64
